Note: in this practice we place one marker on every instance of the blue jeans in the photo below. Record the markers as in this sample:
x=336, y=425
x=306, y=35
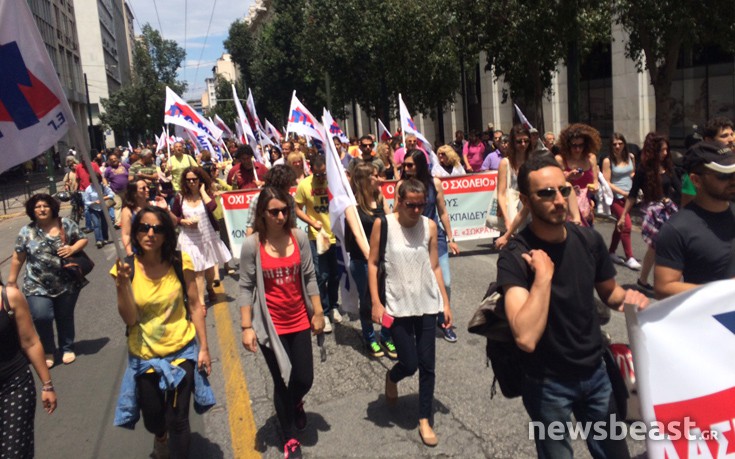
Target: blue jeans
x=44, y=309
x=416, y=347
x=327, y=275
x=99, y=225
x=590, y=399
x=358, y=269
x=447, y=275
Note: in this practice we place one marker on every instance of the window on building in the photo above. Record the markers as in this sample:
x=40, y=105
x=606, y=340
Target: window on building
x=595, y=90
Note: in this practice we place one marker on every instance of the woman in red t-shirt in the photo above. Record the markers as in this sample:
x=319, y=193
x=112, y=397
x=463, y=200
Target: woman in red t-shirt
x=280, y=305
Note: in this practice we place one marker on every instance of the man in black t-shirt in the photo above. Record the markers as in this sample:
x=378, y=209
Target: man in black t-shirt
x=549, y=273
x=695, y=246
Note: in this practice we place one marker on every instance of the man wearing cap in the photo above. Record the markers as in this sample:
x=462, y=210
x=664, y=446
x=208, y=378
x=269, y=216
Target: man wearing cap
x=145, y=169
x=695, y=246
x=247, y=173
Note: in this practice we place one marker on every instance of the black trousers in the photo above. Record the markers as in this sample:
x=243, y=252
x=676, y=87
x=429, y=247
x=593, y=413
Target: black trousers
x=168, y=411
x=286, y=397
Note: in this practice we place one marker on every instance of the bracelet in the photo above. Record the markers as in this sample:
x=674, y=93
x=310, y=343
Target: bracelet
x=246, y=328
x=47, y=383
x=48, y=388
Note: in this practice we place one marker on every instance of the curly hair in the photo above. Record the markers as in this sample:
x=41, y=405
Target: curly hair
x=203, y=178
x=280, y=176
x=590, y=135
x=652, y=162
x=42, y=197
x=452, y=157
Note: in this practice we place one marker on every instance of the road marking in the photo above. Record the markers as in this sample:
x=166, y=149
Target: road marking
x=239, y=410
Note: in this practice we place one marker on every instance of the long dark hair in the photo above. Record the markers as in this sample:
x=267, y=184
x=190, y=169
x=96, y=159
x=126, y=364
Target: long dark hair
x=651, y=162
x=624, y=153
x=515, y=131
x=264, y=198
x=421, y=168
x=168, y=249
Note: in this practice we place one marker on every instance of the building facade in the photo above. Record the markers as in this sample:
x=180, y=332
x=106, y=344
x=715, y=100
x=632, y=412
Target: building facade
x=104, y=34
x=226, y=68
x=57, y=25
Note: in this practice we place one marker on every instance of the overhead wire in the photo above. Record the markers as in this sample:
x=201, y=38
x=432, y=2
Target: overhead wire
x=160, y=27
x=186, y=17
x=199, y=61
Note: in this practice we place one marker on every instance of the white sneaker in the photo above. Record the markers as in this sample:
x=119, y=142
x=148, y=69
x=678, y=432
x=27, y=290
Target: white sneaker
x=633, y=264
x=616, y=259
x=327, y=325
x=336, y=316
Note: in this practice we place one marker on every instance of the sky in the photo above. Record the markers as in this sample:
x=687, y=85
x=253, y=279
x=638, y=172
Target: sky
x=186, y=22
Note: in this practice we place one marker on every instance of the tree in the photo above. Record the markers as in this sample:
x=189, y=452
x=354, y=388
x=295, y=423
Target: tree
x=657, y=33
x=525, y=41
x=239, y=43
x=225, y=107
x=136, y=111
x=372, y=50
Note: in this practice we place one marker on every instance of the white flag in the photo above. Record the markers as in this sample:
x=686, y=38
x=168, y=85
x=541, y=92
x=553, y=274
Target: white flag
x=161, y=142
x=181, y=114
x=302, y=122
x=340, y=200
x=684, y=354
x=252, y=114
x=408, y=127
x=226, y=131
x=383, y=132
x=522, y=118
x=273, y=132
x=244, y=125
x=34, y=111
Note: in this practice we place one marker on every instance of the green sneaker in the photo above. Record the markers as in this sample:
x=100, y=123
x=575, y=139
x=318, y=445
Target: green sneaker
x=390, y=349
x=375, y=350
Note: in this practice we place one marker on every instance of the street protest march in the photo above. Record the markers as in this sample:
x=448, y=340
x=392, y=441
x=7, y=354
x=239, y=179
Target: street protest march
x=466, y=198
x=683, y=349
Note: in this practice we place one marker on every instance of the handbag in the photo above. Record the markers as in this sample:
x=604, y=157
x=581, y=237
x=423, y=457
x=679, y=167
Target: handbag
x=78, y=265
x=494, y=219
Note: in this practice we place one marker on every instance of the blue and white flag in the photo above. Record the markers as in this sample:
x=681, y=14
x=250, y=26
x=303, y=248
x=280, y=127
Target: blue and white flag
x=34, y=111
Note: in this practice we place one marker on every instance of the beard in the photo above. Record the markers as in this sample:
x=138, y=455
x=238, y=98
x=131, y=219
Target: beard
x=557, y=215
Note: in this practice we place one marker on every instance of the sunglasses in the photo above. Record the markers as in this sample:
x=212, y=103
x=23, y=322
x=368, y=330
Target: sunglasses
x=366, y=145
x=409, y=165
x=549, y=193
x=274, y=212
x=145, y=228
x=322, y=175
x=415, y=205
x=522, y=141
x=576, y=145
x=192, y=180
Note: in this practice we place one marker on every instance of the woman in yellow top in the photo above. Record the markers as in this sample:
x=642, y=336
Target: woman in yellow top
x=164, y=327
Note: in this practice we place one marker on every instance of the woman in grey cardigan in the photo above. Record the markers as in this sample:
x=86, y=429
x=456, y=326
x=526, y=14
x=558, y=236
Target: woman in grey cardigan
x=280, y=305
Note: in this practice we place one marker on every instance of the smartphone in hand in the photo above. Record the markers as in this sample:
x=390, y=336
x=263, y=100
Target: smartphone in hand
x=387, y=320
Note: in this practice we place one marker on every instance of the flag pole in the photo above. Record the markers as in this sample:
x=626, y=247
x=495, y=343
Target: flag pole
x=168, y=144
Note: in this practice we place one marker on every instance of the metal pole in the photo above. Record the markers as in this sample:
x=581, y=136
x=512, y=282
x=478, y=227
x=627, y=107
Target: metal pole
x=50, y=171
x=465, y=115
x=90, y=128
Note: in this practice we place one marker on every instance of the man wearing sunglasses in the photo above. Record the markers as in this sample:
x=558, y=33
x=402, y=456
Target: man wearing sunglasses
x=696, y=245
x=549, y=273
x=367, y=154
x=312, y=207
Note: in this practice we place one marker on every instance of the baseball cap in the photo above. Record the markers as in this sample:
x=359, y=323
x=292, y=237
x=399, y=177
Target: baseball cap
x=713, y=155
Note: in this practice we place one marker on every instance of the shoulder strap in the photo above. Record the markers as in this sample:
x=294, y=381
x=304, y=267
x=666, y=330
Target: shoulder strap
x=383, y=236
x=6, y=302
x=62, y=233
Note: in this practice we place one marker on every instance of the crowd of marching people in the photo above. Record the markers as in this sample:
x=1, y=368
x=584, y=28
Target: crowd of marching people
x=167, y=205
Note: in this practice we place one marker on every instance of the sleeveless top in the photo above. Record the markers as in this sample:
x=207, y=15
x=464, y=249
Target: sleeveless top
x=367, y=222
x=410, y=285
x=620, y=176
x=12, y=359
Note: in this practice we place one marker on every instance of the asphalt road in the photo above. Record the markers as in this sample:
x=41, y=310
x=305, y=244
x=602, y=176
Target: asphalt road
x=347, y=413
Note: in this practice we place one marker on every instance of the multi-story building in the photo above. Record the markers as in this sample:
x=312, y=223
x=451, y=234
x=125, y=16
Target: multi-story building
x=104, y=35
x=57, y=24
x=225, y=68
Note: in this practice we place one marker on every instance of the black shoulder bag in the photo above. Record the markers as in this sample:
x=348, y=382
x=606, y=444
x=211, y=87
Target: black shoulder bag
x=78, y=265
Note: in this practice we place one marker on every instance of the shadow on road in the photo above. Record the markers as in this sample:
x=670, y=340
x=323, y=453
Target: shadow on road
x=90, y=346
x=270, y=434
x=202, y=447
x=403, y=415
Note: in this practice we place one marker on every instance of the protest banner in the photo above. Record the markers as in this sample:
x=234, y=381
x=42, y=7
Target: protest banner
x=466, y=198
x=683, y=349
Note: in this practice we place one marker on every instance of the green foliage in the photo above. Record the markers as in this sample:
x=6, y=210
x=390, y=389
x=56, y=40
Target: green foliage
x=239, y=43
x=525, y=41
x=658, y=31
x=136, y=111
x=226, y=108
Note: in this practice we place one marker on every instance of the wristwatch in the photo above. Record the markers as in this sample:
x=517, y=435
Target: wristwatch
x=452, y=241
